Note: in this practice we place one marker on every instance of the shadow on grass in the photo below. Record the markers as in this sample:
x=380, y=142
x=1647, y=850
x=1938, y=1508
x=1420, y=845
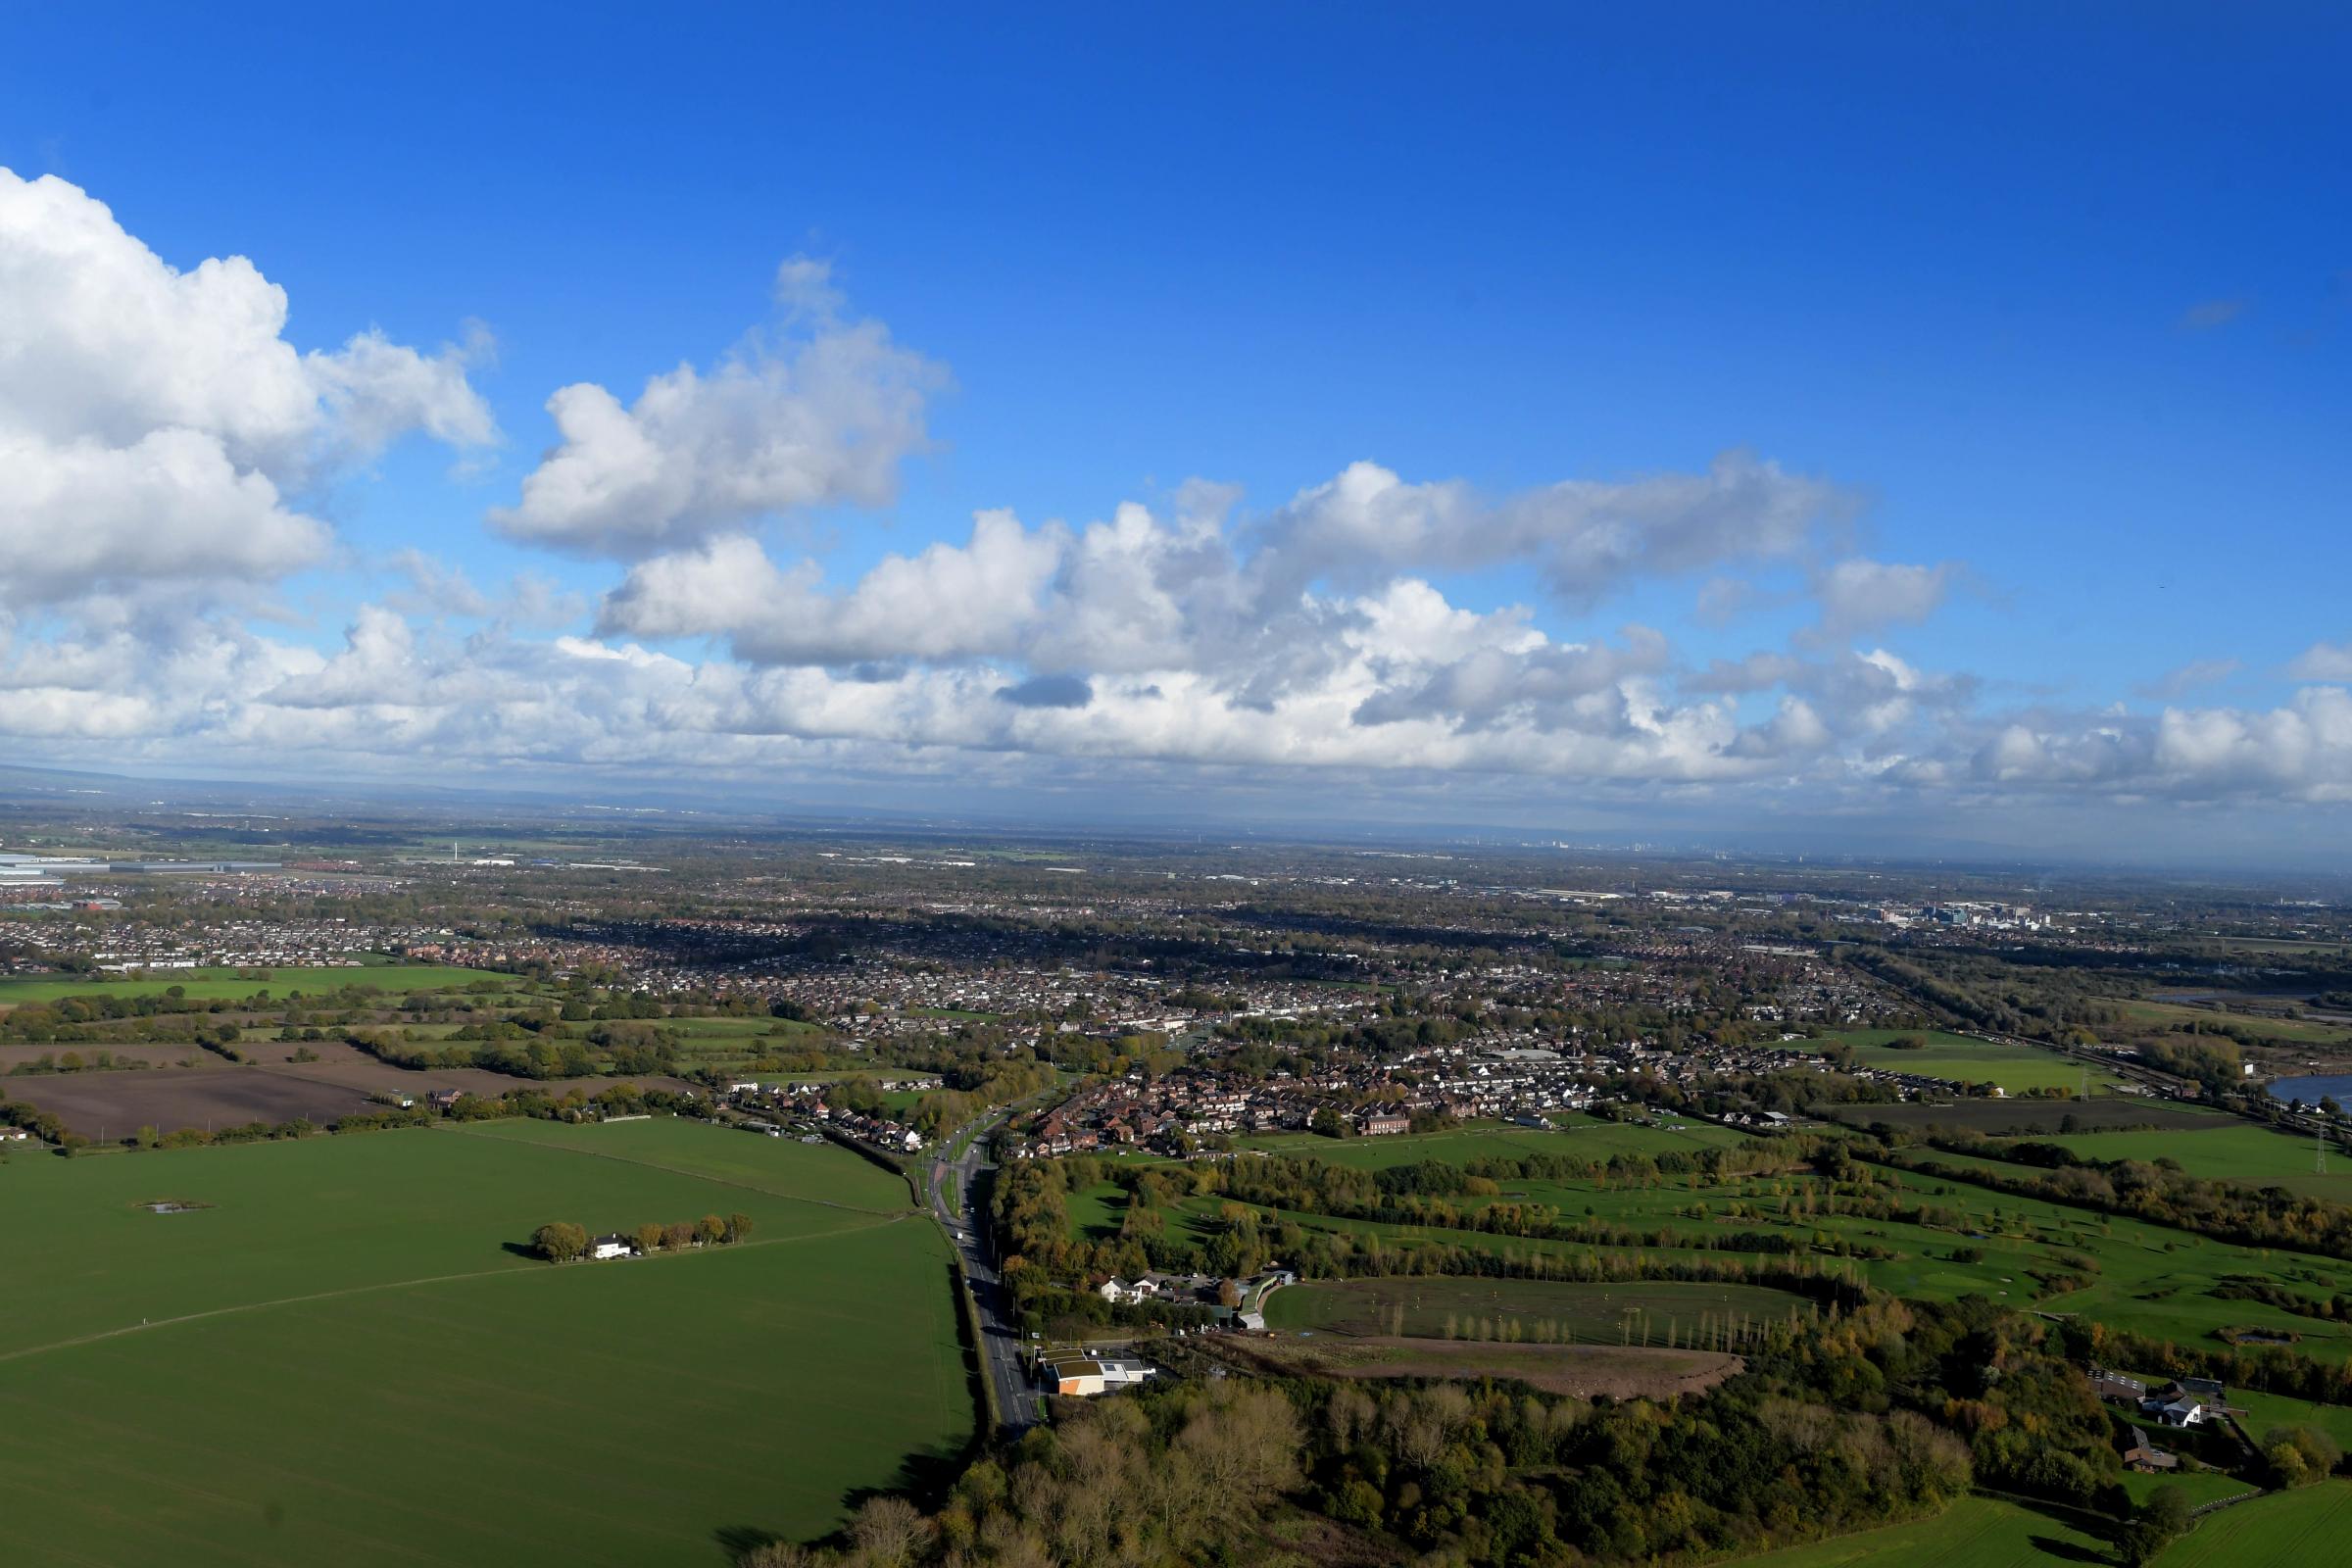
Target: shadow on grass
x=922, y=1478
x=2082, y=1521
x=740, y=1540
x=519, y=1249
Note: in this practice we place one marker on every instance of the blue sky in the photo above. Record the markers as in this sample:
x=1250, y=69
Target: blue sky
x=2055, y=297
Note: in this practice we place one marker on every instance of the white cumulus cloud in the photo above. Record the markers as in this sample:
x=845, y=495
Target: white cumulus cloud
x=825, y=414
x=155, y=423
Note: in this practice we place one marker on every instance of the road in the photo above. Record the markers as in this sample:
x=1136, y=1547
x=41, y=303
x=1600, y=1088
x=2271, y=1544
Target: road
x=1000, y=1339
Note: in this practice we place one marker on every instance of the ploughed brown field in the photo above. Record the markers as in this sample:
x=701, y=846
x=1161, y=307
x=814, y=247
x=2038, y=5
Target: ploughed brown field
x=342, y=1065
x=116, y=1105
x=268, y=1088
x=1586, y=1371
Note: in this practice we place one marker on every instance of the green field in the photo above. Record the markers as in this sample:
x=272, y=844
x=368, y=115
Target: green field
x=2225, y=1151
x=2199, y=1487
x=1612, y=1314
x=1582, y=1138
x=783, y=1167
x=225, y=984
x=2032, y=1118
x=2287, y=1528
x=1974, y=1533
x=2016, y=1068
x=343, y=1359
x=2168, y=1014
x=1097, y=1211
x=747, y=1026
x=2267, y=1410
x=2141, y=1277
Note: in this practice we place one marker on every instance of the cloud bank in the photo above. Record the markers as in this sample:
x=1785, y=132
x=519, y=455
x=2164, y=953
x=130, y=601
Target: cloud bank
x=164, y=445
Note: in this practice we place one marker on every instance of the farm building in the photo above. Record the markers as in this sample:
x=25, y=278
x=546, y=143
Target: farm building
x=1081, y=1374
x=614, y=1244
x=2116, y=1387
x=2148, y=1459
x=2187, y=1403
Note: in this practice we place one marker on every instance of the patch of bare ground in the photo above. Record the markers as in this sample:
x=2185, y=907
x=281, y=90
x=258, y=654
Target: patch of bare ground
x=357, y=1070
x=115, y=1104
x=270, y=1087
x=1587, y=1371
x=1293, y=1535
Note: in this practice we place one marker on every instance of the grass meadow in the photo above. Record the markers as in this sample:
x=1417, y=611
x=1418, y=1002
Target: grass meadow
x=1583, y=1138
x=2142, y=1277
x=345, y=1358
x=2016, y=1068
x=227, y=985
x=2294, y=1031
x=2199, y=1487
x=2267, y=1410
x=2312, y=1526
x=2227, y=1149
x=1974, y=1533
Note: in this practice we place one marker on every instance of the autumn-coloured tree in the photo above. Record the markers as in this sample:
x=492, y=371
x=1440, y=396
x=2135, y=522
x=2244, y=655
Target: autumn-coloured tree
x=560, y=1240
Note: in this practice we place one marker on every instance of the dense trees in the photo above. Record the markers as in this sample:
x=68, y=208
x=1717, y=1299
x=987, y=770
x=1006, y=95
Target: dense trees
x=2298, y=1456
x=560, y=1240
x=1044, y=1252
x=2160, y=1192
x=1880, y=1413
x=969, y=1089
x=2153, y=1526
x=2268, y=1369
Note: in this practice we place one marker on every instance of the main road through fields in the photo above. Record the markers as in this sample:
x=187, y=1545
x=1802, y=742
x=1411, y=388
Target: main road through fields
x=1000, y=1341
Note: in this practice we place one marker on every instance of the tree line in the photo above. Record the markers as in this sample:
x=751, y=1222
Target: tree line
x=1886, y=1412
x=561, y=1241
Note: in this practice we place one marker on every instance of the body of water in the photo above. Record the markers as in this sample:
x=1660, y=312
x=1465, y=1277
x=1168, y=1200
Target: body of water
x=2311, y=1091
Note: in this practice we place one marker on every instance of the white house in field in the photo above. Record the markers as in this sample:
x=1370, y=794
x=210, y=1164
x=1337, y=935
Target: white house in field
x=612, y=1245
